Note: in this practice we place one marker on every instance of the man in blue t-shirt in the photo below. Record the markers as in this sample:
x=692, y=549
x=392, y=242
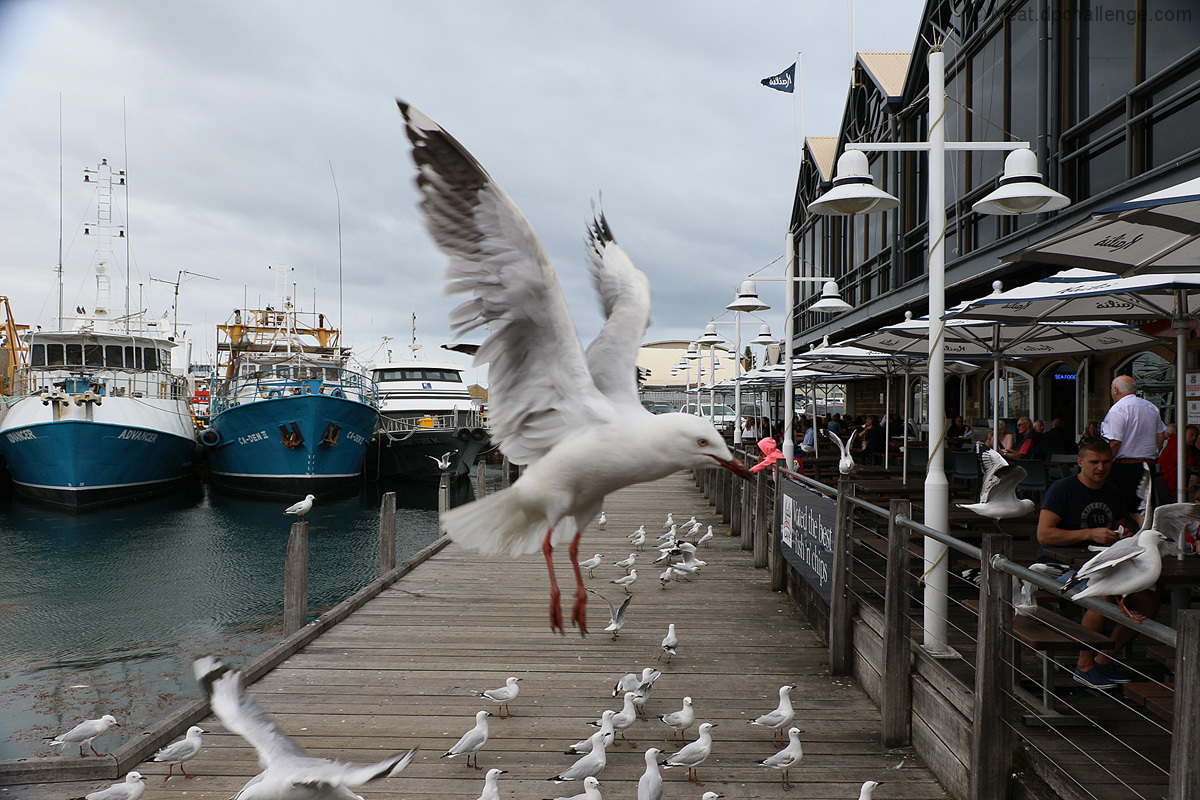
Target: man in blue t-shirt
x=1086, y=509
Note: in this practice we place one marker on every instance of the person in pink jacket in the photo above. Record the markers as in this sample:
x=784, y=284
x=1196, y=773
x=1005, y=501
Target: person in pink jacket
x=770, y=454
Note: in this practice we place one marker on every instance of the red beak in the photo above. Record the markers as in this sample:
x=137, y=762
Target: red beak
x=735, y=466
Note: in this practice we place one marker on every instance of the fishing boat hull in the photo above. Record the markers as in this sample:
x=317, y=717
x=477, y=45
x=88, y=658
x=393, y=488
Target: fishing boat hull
x=290, y=445
x=80, y=463
x=413, y=455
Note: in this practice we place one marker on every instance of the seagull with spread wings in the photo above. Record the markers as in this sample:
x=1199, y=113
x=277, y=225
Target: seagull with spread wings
x=549, y=401
x=998, y=495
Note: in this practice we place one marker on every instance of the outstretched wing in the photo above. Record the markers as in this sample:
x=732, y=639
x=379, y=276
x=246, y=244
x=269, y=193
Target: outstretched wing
x=539, y=384
x=842, y=447
x=999, y=477
x=612, y=612
x=1171, y=520
x=240, y=713
x=625, y=294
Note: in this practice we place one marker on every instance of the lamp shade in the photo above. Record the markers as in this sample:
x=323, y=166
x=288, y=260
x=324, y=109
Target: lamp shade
x=747, y=299
x=1021, y=190
x=854, y=190
x=830, y=302
x=693, y=352
x=710, y=335
x=764, y=336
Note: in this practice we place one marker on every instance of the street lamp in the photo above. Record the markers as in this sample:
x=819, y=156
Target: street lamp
x=711, y=338
x=830, y=303
x=1020, y=191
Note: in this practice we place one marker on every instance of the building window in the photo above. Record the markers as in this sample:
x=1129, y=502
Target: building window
x=1107, y=66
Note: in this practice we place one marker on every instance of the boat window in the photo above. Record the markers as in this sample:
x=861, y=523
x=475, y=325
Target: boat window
x=37, y=355
x=415, y=374
x=150, y=359
x=133, y=358
x=164, y=359
x=114, y=356
x=93, y=355
x=54, y=355
x=74, y=355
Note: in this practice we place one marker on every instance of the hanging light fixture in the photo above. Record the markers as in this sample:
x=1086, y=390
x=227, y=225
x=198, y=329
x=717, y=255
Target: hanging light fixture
x=1021, y=190
x=854, y=190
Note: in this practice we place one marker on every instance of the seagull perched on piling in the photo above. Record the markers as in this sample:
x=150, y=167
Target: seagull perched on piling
x=301, y=508
x=782, y=716
x=786, y=758
x=549, y=400
x=289, y=773
x=179, y=752
x=846, y=465
x=504, y=695
x=84, y=732
x=472, y=741
x=129, y=789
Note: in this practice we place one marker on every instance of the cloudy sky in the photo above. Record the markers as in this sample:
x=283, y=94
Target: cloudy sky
x=234, y=114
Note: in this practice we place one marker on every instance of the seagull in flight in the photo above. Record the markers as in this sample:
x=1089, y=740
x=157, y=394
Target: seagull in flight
x=549, y=400
x=616, y=615
x=444, y=461
x=846, y=465
x=289, y=773
x=301, y=508
x=998, y=495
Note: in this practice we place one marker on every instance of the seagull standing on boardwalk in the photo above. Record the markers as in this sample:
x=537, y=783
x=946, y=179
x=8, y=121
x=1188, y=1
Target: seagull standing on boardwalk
x=998, y=494
x=590, y=564
x=606, y=728
x=591, y=791
x=589, y=765
x=786, y=758
x=616, y=615
x=472, y=741
x=180, y=751
x=491, y=784
x=624, y=718
x=669, y=642
x=867, y=792
x=301, y=508
x=602, y=520
x=643, y=691
x=782, y=716
x=627, y=563
x=670, y=521
x=641, y=530
x=705, y=538
x=289, y=773
x=504, y=695
x=665, y=576
x=630, y=681
x=650, y=785
x=548, y=400
x=638, y=540
x=693, y=754
x=129, y=789
x=84, y=732
x=625, y=581
x=679, y=721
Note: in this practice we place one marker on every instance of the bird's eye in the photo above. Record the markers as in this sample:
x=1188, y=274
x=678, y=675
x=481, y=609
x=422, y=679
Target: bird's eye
x=702, y=442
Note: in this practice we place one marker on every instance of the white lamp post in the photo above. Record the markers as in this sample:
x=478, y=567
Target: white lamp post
x=830, y=302
x=747, y=300
x=693, y=354
x=1020, y=191
x=711, y=338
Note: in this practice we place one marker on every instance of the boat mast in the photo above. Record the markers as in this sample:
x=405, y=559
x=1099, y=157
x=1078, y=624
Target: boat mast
x=60, y=214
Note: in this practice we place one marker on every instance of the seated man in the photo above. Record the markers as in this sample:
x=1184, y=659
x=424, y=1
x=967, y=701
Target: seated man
x=1080, y=510
x=957, y=429
x=1058, y=441
x=1028, y=443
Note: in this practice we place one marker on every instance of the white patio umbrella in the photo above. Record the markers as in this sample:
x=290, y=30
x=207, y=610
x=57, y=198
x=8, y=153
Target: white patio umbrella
x=994, y=340
x=1082, y=294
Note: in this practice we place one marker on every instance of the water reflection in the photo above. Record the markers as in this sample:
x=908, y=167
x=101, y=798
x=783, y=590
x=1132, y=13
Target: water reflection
x=103, y=612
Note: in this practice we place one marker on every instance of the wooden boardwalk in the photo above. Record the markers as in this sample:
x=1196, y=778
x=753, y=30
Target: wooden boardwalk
x=401, y=671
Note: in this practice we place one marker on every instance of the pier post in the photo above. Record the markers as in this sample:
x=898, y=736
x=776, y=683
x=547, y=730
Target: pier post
x=895, y=705
x=748, y=493
x=480, y=479
x=841, y=610
x=1185, y=726
x=295, y=580
x=762, y=525
x=991, y=740
x=387, y=533
x=774, y=554
x=505, y=477
x=443, y=493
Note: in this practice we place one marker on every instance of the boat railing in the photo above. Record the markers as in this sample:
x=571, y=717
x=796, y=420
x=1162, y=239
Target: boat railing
x=270, y=384
x=104, y=382
x=467, y=418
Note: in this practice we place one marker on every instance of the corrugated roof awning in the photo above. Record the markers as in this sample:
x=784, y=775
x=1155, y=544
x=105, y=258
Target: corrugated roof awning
x=824, y=153
x=887, y=70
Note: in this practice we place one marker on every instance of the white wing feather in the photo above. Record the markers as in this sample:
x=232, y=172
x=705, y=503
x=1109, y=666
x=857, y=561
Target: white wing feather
x=541, y=391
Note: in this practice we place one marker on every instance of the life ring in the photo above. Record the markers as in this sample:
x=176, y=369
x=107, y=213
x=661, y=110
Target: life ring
x=337, y=393
x=464, y=434
x=210, y=438
x=479, y=434
x=271, y=395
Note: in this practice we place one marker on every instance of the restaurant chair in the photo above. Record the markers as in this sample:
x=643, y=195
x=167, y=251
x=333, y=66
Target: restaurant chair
x=1035, y=478
x=918, y=456
x=965, y=467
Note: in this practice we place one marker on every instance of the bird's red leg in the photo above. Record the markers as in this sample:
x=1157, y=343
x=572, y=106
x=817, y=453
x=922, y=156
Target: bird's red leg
x=555, y=608
x=184, y=771
x=579, y=610
x=170, y=769
x=1136, y=617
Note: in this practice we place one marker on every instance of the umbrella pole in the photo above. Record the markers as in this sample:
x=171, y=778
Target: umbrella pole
x=1182, y=325
x=816, y=430
x=996, y=401
x=887, y=422
x=904, y=467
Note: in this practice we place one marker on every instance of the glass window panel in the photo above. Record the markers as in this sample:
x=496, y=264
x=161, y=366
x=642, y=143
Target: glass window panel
x=150, y=358
x=164, y=359
x=987, y=108
x=1023, y=77
x=93, y=355
x=74, y=355
x=1170, y=32
x=1173, y=135
x=55, y=356
x=1106, y=53
x=1105, y=169
x=114, y=356
x=955, y=177
x=37, y=355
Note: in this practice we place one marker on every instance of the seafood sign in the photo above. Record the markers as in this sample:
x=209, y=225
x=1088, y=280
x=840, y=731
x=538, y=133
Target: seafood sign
x=806, y=527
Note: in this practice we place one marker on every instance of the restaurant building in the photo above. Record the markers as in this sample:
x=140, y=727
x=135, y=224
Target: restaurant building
x=1108, y=96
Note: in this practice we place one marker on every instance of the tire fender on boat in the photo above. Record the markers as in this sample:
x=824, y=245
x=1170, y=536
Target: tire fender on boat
x=210, y=438
x=337, y=393
x=464, y=434
x=479, y=434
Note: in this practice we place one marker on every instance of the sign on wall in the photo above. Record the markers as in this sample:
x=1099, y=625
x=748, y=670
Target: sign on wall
x=806, y=525
x=1192, y=384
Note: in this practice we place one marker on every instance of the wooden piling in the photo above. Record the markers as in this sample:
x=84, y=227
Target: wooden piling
x=991, y=742
x=895, y=698
x=480, y=479
x=1185, y=727
x=387, y=533
x=841, y=610
x=295, y=580
x=443, y=493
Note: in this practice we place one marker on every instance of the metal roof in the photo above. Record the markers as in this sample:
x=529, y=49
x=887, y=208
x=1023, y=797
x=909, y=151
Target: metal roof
x=888, y=70
x=824, y=153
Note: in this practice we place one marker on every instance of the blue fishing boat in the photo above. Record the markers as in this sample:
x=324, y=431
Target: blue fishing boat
x=288, y=416
x=97, y=415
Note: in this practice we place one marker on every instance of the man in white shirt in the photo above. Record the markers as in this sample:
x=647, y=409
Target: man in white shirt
x=1135, y=431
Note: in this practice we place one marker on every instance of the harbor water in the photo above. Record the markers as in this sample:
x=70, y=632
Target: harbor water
x=103, y=613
